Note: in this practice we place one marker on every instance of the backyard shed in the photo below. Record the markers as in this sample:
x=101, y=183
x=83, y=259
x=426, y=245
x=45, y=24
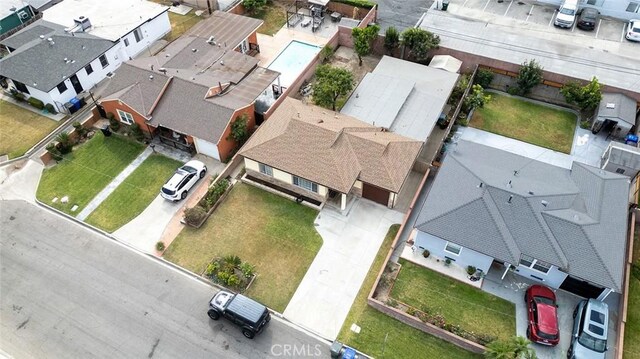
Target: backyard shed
x=616, y=113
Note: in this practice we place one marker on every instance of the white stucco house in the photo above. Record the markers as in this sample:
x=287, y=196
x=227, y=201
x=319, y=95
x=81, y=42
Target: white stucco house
x=77, y=44
x=495, y=210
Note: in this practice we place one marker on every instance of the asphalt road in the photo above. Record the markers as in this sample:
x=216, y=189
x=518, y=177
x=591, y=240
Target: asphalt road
x=67, y=292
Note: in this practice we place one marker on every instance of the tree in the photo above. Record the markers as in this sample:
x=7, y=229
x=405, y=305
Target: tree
x=514, y=348
x=239, y=130
x=330, y=84
x=529, y=76
x=253, y=6
x=419, y=42
x=586, y=97
x=362, y=39
x=476, y=98
x=483, y=78
x=391, y=39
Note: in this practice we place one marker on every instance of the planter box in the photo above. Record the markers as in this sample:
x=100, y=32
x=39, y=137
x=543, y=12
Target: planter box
x=212, y=209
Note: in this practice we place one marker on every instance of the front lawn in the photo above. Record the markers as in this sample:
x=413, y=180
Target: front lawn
x=134, y=194
x=383, y=336
x=632, y=327
x=82, y=174
x=272, y=233
x=526, y=121
x=274, y=17
x=471, y=308
x=21, y=129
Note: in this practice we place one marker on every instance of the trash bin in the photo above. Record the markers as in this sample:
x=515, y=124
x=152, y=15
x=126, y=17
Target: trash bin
x=336, y=349
x=445, y=5
x=75, y=102
x=349, y=353
x=106, y=131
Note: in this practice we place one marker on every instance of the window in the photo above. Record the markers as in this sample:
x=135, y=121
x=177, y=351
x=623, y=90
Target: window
x=303, y=183
x=453, y=248
x=620, y=171
x=62, y=87
x=20, y=86
x=125, y=117
x=267, y=170
x=126, y=42
x=103, y=61
x=633, y=7
x=88, y=69
x=138, y=34
x=530, y=262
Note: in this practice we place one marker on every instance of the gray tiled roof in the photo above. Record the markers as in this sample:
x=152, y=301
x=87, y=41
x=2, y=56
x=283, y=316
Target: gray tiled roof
x=40, y=65
x=32, y=32
x=574, y=219
x=624, y=108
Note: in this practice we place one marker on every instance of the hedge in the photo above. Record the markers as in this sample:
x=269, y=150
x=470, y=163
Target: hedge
x=357, y=3
x=36, y=103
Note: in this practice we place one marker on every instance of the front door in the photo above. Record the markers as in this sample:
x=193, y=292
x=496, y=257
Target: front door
x=76, y=84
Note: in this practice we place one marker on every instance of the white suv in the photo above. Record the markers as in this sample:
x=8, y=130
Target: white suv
x=633, y=30
x=182, y=180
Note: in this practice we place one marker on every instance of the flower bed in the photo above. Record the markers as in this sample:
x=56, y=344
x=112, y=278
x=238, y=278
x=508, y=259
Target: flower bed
x=217, y=192
x=231, y=272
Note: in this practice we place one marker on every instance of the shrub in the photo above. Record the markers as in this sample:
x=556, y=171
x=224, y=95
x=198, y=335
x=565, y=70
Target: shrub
x=55, y=153
x=195, y=215
x=586, y=97
x=114, y=124
x=80, y=130
x=111, y=116
x=529, y=76
x=233, y=280
x=391, y=39
x=223, y=277
x=326, y=53
x=18, y=96
x=585, y=124
x=412, y=311
x=426, y=253
x=471, y=270
x=247, y=269
x=447, y=262
x=392, y=303
x=483, y=78
x=137, y=133
x=49, y=107
x=366, y=4
x=64, y=143
x=160, y=246
x=232, y=260
x=36, y=103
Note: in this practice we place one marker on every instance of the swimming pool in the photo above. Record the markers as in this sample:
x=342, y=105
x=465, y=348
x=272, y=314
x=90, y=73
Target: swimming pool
x=292, y=61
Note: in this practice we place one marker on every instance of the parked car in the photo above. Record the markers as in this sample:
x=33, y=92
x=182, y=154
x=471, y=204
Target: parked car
x=566, y=14
x=633, y=30
x=182, y=180
x=588, y=18
x=590, y=329
x=543, y=315
x=249, y=315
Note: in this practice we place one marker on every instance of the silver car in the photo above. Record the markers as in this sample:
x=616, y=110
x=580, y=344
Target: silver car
x=633, y=30
x=590, y=329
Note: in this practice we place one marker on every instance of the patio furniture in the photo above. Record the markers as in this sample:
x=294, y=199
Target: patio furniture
x=306, y=22
x=336, y=16
x=317, y=21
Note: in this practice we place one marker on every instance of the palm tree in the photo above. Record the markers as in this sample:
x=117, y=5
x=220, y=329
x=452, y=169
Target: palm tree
x=514, y=348
x=521, y=348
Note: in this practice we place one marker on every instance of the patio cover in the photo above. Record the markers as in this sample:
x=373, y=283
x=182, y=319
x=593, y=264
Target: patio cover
x=446, y=62
x=319, y=2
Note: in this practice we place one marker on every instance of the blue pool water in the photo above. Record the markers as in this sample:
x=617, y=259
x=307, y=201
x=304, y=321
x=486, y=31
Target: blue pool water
x=293, y=60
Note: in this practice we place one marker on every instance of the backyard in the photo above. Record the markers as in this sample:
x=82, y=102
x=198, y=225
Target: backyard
x=180, y=24
x=526, y=121
x=460, y=304
x=272, y=233
x=21, y=129
x=273, y=16
x=632, y=328
x=83, y=173
x=134, y=194
x=382, y=334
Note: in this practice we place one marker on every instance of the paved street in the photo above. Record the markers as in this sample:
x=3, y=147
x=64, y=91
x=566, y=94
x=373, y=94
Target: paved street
x=66, y=292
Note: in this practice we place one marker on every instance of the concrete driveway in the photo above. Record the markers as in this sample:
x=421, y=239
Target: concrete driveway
x=350, y=243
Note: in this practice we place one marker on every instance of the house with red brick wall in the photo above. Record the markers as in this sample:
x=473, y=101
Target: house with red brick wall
x=190, y=93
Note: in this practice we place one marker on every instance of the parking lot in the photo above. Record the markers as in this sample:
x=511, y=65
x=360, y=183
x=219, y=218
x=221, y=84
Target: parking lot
x=541, y=17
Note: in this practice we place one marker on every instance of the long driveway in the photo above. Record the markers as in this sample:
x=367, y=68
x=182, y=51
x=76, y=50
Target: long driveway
x=67, y=292
x=350, y=244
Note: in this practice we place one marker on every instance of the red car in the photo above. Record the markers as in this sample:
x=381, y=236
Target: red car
x=543, y=315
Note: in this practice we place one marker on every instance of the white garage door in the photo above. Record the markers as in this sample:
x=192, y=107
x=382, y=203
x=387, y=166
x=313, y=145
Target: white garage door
x=207, y=148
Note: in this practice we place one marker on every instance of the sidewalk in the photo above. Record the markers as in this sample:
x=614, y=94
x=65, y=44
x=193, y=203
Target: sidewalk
x=19, y=180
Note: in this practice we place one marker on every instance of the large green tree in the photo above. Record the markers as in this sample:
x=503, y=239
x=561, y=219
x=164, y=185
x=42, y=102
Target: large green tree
x=253, y=6
x=419, y=42
x=586, y=97
x=529, y=76
x=330, y=84
x=362, y=39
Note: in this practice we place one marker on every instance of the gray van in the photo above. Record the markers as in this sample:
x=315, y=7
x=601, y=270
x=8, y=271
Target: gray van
x=590, y=329
x=249, y=315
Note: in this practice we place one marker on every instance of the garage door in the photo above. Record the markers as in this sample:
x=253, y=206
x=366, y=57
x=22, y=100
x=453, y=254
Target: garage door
x=580, y=287
x=375, y=194
x=207, y=148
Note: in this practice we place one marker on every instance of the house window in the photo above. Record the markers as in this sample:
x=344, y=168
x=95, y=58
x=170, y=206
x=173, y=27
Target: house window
x=633, y=7
x=125, y=117
x=62, y=87
x=138, y=34
x=126, y=42
x=530, y=262
x=20, y=86
x=88, y=69
x=453, y=248
x=620, y=171
x=267, y=170
x=303, y=183
x=103, y=61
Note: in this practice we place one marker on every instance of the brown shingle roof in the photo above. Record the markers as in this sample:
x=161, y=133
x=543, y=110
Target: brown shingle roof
x=333, y=150
x=225, y=28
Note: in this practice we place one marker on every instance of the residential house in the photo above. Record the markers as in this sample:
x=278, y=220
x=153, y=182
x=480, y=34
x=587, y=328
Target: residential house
x=315, y=155
x=77, y=45
x=495, y=210
x=403, y=97
x=615, y=115
x=189, y=94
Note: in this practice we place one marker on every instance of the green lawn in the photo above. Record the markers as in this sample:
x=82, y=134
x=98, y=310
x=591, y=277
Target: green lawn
x=632, y=327
x=525, y=121
x=180, y=24
x=274, y=18
x=21, y=129
x=471, y=308
x=268, y=231
x=82, y=174
x=385, y=337
x=134, y=194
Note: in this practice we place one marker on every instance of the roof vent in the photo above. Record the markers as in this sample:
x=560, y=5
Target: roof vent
x=150, y=77
x=163, y=70
x=531, y=193
x=509, y=184
x=576, y=217
x=320, y=121
x=510, y=198
x=611, y=105
x=222, y=62
x=211, y=40
x=480, y=185
x=41, y=37
x=194, y=50
x=544, y=203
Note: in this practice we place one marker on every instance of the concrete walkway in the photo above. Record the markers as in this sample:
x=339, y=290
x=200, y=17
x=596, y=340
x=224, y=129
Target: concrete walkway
x=327, y=291
x=100, y=197
x=19, y=180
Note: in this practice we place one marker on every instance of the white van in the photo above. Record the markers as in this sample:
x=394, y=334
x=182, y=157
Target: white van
x=566, y=14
